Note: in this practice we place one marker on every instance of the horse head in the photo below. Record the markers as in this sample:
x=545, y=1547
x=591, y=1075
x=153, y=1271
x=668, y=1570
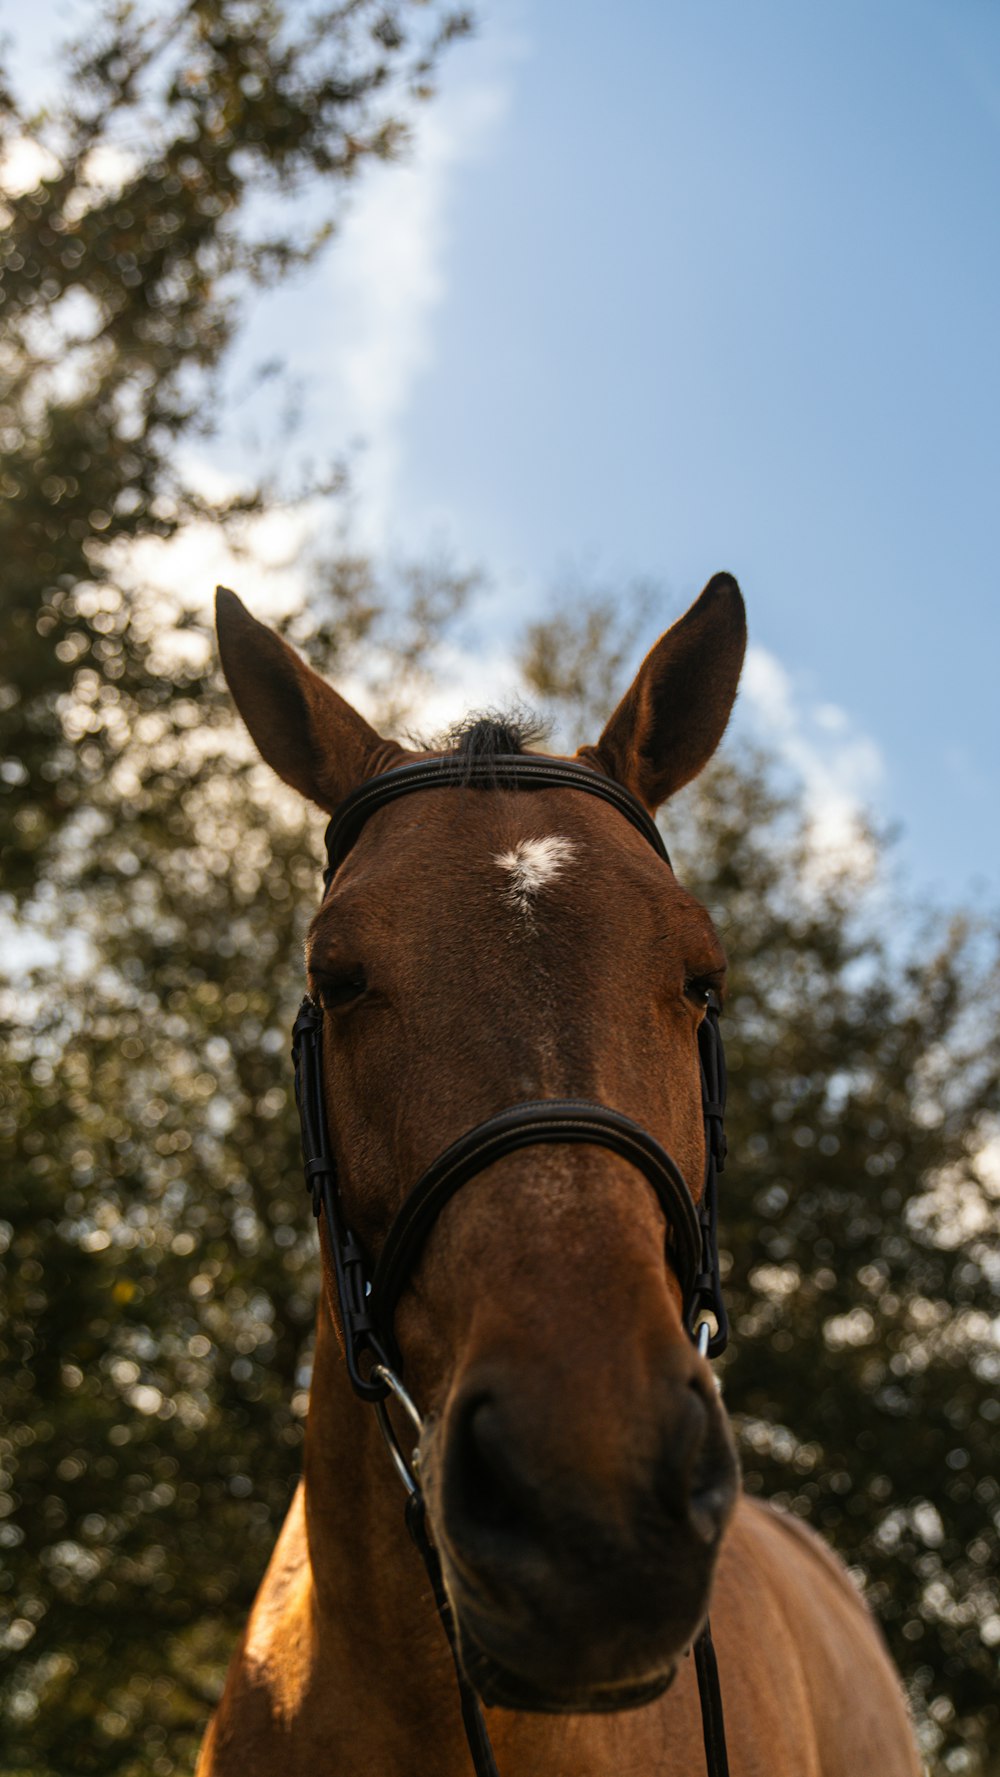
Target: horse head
x=475, y=950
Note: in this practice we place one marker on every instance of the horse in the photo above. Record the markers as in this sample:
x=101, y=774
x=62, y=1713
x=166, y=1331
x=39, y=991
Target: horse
x=504, y=944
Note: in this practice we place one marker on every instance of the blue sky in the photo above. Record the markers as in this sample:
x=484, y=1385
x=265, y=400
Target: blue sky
x=671, y=287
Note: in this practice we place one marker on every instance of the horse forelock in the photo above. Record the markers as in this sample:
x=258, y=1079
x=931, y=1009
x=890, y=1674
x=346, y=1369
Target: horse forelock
x=487, y=736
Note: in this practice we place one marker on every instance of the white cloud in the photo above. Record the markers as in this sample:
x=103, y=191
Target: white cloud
x=465, y=679
x=840, y=767
x=988, y=1163
x=265, y=569
x=23, y=163
x=372, y=318
x=388, y=276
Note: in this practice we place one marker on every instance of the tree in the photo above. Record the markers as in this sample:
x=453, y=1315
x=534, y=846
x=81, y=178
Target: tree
x=197, y=152
x=196, y=155
x=158, y=1265
x=161, y=1264
x=159, y=1283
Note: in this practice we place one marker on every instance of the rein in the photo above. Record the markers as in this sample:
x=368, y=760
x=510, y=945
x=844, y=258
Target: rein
x=368, y=1298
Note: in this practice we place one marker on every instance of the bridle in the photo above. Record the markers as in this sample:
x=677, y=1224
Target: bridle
x=367, y=1299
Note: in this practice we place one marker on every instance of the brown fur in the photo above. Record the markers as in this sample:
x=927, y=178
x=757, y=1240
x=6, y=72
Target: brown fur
x=542, y=1292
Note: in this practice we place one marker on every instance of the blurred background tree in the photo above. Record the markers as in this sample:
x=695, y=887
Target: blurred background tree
x=159, y=1264
x=198, y=152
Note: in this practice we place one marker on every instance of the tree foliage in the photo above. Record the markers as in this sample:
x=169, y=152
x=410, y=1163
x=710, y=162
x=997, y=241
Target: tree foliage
x=161, y=1261
x=151, y=1391
x=197, y=152
x=159, y=1283
x=158, y=1271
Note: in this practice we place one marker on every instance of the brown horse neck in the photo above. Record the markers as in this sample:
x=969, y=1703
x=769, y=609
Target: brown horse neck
x=379, y=1641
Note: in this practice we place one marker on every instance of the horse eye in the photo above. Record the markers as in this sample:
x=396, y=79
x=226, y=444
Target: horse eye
x=335, y=991
x=702, y=990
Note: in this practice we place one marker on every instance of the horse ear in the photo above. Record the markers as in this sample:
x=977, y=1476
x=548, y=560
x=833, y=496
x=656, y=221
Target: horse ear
x=673, y=716
x=309, y=734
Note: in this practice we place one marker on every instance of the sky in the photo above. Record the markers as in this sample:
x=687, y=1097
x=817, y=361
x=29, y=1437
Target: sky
x=666, y=288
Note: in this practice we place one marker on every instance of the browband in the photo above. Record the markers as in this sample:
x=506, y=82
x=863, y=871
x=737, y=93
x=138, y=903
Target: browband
x=511, y=771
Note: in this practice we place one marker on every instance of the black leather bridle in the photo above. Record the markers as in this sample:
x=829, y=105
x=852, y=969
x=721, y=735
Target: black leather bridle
x=368, y=1298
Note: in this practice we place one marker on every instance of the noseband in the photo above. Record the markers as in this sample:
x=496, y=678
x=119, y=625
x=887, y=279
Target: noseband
x=368, y=1297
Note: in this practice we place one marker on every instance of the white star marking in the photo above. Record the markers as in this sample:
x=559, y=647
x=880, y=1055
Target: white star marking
x=530, y=865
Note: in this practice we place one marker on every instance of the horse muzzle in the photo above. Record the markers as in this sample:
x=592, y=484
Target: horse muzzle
x=577, y=1585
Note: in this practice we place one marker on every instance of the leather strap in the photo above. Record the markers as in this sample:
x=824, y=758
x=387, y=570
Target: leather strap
x=537, y=1122
x=713, y=1727
x=512, y=771
x=707, y=1295
x=476, y=1732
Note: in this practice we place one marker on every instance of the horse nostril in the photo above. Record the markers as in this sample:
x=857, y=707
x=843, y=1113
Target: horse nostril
x=696, y=1469
x=482, y=1487
x=711, y=1475
x=707, y=1513
x=702, y=1383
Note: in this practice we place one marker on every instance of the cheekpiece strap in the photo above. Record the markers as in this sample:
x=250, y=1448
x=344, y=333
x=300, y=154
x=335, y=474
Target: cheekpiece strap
x=707, y=1296
x=363, y=1348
